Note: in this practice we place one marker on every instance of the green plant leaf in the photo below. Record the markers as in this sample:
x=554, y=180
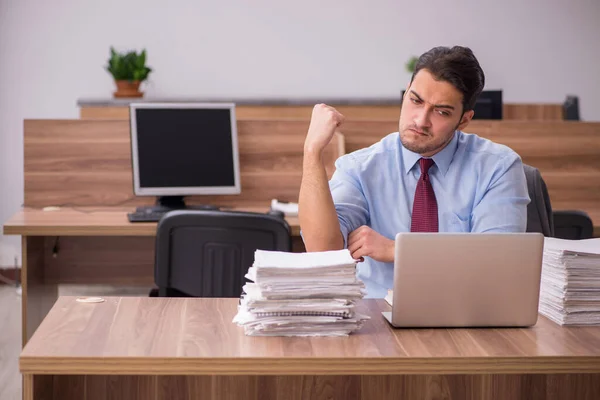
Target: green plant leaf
x=128, y=65
x=411, y=64
x=141, y=61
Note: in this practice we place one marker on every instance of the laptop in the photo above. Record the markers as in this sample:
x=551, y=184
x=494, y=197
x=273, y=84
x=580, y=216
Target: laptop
x=466, y=280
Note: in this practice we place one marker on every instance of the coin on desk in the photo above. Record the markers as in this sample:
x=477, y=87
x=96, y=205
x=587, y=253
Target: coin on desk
x=90, y=300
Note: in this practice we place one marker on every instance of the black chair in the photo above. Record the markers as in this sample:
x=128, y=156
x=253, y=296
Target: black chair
x=207, y=253
x=573, y=224
x=539, y=210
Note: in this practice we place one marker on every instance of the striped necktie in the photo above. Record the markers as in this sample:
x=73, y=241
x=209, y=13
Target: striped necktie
x=425, y=210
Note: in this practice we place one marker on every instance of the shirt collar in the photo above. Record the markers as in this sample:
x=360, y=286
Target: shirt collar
x=441, y=159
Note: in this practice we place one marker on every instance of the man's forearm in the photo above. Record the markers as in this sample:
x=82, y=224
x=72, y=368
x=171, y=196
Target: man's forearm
x=316, y=212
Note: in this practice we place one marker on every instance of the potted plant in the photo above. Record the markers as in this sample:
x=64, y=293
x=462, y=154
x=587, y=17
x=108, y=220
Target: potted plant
x=129, y=70
x=411, y=64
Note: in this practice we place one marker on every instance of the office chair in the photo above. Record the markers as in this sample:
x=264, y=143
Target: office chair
x=539, y=210
x=573, y=224
x=207, y=253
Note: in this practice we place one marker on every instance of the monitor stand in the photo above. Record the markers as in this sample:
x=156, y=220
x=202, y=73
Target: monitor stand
x=168, y=203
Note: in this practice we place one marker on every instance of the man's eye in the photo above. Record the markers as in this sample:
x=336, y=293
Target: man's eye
x=444, y=113
x=416, y=101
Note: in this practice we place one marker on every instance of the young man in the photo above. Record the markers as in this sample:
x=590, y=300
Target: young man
x=428, y=177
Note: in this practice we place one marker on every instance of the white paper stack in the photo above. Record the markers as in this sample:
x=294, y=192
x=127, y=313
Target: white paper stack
x=289, y=209
x=570, y=285
x=301, y=294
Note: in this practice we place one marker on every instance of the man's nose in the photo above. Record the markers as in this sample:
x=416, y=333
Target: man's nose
x=422, y=119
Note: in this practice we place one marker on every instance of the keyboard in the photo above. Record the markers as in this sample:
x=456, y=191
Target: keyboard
x=145, y=216
x=154, y=214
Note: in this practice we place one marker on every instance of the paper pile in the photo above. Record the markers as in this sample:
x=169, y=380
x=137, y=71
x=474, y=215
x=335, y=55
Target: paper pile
x=301, y=294
x=570, y=285
x=289, y=209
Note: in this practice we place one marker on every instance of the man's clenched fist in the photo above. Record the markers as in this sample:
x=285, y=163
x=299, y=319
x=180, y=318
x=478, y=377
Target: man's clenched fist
x=324, y=121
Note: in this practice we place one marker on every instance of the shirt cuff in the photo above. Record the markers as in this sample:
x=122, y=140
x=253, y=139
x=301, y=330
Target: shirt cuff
x=345, y=233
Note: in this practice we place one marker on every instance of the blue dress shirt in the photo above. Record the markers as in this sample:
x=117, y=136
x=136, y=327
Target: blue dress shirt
x=479, y=186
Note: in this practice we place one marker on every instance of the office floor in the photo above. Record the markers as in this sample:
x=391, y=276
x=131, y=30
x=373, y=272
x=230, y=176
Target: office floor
x=10, y=329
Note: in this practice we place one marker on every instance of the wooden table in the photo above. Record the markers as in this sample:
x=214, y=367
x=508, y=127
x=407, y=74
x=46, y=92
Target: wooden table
x=85, y=245
x=157, y=348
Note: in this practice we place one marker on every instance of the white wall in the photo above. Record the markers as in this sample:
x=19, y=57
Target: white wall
x=53, y=52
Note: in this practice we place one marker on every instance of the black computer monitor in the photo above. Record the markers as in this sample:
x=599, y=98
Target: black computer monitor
x=184, y=149
x=488, y=105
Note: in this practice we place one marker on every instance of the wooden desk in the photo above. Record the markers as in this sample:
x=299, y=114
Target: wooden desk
x=94, y=245
x=153, y=348
x=94, y=221
x=86, y=245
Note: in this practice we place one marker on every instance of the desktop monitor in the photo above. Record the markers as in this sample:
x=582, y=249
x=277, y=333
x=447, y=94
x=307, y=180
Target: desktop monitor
x=489, y=105
x=184, y=149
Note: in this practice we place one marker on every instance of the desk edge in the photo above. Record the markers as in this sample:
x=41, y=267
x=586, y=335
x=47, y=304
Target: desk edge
x=307, y=366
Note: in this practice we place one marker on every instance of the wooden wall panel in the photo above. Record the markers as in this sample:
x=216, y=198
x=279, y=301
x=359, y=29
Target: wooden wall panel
x=425, y=387
x=88, y=163
x=267, y=112
x=510, y=111
x=116, y=112
x=532, y=112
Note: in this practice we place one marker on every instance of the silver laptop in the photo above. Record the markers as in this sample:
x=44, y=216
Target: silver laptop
x=466, y=279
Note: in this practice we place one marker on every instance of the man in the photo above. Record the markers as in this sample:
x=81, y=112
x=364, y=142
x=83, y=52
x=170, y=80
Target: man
x=428, y=177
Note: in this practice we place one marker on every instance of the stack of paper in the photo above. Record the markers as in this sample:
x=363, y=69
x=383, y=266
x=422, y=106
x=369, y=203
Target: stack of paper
x=570, y=286
x=301, y=294
x=289, y=209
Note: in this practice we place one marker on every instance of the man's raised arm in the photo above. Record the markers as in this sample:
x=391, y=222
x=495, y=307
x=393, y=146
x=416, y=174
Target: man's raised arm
x=316, y=211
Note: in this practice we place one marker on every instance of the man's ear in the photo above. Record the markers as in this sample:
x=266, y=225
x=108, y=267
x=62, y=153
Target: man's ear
x=406, y=90
x=465, y=119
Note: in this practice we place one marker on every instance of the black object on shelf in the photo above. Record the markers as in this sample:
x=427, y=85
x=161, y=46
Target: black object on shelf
x=571, y=108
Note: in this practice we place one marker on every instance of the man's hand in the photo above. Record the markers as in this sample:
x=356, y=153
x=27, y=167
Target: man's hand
x=324, y=121
x=366, y=242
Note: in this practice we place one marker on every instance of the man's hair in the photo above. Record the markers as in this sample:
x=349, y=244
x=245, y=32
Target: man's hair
x=457, y=66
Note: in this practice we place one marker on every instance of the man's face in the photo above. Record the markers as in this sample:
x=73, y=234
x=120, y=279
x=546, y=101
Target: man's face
x=431, y=112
